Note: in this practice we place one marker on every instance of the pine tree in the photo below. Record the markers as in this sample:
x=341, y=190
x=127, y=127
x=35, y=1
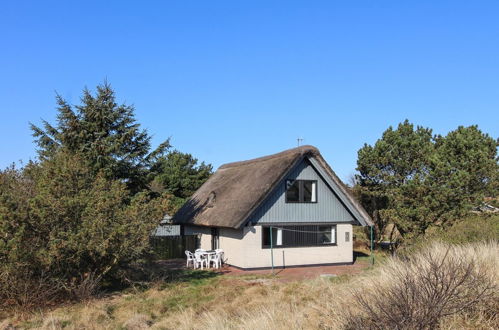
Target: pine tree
x=464, y=170
x=392, y=177
x=415, y=180
x=178, y=174
x=104, y=133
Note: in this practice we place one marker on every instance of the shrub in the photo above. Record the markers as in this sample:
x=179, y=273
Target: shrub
x=419, y=291
x=65, y=230
x=474, y=228
x=201, y=300
x=25, y=290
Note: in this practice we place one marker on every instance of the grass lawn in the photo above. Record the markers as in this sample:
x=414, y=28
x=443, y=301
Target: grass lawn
x=206, y=300
x=164, y=304
x=169, y=305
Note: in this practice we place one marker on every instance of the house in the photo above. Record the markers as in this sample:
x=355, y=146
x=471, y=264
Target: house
x=286, y=209
x=166, y=229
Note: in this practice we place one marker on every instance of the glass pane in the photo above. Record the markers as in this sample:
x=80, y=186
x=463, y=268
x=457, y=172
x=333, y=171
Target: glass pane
x=266, y=236
x=292, y=191
x=314, y=192
x=288, y=236
x=278, y=240
x=325, y=235
x=307, y=191
x=298, y=236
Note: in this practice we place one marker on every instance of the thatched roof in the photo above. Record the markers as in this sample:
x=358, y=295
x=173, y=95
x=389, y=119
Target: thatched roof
x=235, y=190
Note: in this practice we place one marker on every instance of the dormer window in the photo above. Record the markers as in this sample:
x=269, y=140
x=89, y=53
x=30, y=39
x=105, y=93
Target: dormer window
x=301, y=191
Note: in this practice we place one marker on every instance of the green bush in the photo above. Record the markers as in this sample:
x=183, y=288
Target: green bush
x=64, y=230
x=474, y=228
x=415, y=180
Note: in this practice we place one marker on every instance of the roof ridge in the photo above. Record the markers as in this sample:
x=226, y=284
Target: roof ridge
x=306, y=149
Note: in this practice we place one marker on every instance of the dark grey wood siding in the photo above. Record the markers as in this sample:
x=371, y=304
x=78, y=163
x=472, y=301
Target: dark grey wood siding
x=327, y=209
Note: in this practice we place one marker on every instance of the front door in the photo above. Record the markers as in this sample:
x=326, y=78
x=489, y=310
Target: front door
x=214, y=239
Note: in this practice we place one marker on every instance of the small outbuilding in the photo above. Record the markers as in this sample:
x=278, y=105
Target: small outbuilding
x=286, y=209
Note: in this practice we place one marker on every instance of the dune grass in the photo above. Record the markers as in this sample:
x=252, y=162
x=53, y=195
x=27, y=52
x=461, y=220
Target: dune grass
x=204, y=301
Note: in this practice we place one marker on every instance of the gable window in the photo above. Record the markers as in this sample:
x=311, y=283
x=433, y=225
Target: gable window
x=299, y=236
x=301, y=191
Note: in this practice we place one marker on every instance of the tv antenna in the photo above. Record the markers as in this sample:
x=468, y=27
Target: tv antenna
x=299, y=140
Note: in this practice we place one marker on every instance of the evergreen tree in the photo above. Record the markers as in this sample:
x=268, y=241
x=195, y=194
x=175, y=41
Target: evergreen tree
x=415, y=180
x=60, y=223
x=105, y=134
x=392, y=177
x=464, y=170
x=178, y=174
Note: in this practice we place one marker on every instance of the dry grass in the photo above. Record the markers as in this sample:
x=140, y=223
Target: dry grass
x=423, y=290
x=242, y=303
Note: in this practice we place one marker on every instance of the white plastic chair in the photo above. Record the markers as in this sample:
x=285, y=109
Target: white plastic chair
x=200, y=260
x=220, y=254
x=190, y=258
x=216, y=259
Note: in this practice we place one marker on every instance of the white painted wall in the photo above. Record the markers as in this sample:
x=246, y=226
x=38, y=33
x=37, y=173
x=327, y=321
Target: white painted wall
x=233, y=243
x=204, y=234
x=256, y=256
x=243, y=248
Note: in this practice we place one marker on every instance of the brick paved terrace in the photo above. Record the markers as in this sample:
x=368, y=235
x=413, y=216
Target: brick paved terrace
x=283, y=274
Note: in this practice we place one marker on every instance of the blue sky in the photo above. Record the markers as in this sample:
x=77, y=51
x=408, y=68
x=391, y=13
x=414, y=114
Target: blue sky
x=233, y=80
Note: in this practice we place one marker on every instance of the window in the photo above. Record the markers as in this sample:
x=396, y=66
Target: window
x=347, y=236
x=301, y=191
x=296, y=236
x=276, y=236
x=327, y=234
